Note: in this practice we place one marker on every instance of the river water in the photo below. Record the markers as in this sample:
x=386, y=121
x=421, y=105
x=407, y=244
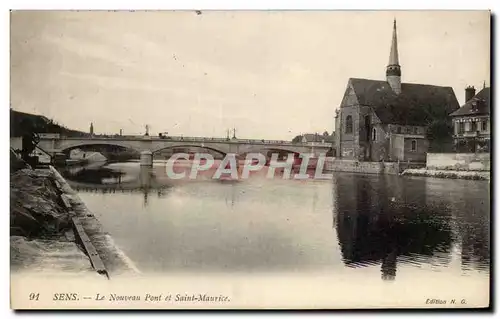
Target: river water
x=389, y=227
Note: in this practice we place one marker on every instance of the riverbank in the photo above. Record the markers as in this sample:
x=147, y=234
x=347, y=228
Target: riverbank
x=42, y=229
x=41, y=236
x=451, y=174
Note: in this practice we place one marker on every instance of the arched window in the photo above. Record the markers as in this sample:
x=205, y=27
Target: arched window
x=374, y=134
x=414, y=145
x=348, y=124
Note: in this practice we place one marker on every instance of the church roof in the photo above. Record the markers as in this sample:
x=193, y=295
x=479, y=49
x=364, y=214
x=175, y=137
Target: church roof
x=417, y=104
x=478, y=105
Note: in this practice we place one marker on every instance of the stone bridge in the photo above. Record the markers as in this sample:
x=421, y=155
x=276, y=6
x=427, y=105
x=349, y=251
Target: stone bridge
x=152, y=145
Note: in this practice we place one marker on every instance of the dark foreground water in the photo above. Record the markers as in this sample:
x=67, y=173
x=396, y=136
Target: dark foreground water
x=386, y=226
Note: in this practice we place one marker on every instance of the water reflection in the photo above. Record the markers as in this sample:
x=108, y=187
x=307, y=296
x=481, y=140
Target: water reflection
x=105, y=178
x=378, y=222
x=390, y=222
x=470, y=205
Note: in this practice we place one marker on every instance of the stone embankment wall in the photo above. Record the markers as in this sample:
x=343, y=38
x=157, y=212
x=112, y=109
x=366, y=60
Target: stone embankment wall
x=41, y=236
x=353, y=166
x=115, y=261
x=459, y=161
x=455, y=166
x=41, y=227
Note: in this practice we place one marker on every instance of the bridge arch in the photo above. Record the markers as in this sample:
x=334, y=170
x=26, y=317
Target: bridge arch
x=111, y=151
x=66, y=145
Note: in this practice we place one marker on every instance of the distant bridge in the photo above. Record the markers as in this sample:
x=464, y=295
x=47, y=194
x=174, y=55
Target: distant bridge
x=53, y=144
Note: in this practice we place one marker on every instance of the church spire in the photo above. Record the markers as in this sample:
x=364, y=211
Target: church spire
x=393, y=58
x=393, y=70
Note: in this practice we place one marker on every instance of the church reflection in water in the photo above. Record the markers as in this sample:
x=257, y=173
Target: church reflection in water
x=381, y=219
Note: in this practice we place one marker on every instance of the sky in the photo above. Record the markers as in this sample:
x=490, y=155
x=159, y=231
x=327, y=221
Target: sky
x=269, y=74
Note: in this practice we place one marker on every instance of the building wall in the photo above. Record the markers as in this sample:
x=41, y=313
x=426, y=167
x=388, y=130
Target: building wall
x=397, y=147
x=380, y=146
x=400, y=148
x=360, y=144
x=369, y=148
x=338, y=130
x=420, y=154
x=459, y=161
x=349, y=142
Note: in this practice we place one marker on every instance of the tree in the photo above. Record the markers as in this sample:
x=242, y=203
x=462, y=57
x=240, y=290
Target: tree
x=297, y=139
x=440, y=136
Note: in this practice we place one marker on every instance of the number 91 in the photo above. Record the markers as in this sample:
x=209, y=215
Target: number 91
x=34, y=296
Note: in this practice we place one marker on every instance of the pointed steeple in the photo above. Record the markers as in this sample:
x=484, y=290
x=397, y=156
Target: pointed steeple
x=394, y=58
x=393, y=70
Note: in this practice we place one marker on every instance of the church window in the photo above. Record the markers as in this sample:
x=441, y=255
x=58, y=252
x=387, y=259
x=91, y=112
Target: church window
x=374, y=134
x=413, y=145
x=348, y=124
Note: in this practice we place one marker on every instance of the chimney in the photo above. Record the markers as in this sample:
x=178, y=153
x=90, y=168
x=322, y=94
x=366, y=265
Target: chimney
x=470, y=91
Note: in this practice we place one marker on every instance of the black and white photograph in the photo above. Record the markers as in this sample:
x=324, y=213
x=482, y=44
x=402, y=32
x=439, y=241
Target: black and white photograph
x=250, y=159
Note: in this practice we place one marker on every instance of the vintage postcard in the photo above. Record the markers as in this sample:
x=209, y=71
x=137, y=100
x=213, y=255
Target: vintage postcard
x=250, y=159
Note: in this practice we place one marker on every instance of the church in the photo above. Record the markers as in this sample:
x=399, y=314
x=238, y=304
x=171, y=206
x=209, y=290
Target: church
x=388, y=120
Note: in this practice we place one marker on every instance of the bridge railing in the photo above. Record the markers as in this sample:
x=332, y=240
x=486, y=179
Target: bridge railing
x=198, y=139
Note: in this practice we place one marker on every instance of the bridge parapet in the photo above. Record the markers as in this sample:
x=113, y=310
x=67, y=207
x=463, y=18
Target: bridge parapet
x=193, y=139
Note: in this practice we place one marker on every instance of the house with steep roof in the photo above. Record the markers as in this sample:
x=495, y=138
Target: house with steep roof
x=471, y=122
x=388, y=120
